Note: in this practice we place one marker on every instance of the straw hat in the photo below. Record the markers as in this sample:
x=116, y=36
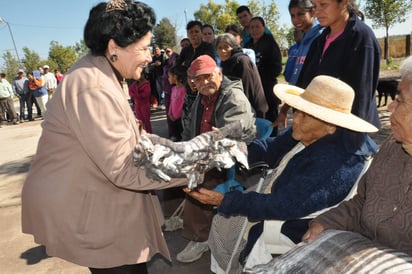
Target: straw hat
x=326, y=98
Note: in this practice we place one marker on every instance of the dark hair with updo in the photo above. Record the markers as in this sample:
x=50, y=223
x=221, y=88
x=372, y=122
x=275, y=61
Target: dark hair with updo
x=124, y=26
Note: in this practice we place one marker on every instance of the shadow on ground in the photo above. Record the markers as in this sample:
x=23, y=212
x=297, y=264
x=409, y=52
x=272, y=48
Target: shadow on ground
x=16, y=167
x=34, y=255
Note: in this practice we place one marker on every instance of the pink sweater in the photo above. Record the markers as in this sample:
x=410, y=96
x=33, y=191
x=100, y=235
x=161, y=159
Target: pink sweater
x=176, y=102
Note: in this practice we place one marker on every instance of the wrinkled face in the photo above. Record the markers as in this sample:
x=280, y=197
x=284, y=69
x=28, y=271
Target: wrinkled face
x=330, y=12
x=195, y=36
x=308, y=129
x=301, y=19
x=401, y=117
x=132, y=59
x=208, y=84
x=224, y=50
x=244, y=18
x=256, y=29
x=208, y=35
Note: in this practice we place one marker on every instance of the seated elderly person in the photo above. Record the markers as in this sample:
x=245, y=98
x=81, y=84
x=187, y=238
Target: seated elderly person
x=313, y=168
x=382, y=208
x=373, y=231
x=220, y=101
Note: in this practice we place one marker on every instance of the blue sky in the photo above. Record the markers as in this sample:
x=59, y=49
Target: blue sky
x=36, y=24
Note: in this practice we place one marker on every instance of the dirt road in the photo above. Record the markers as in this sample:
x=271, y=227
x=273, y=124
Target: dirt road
x=19, y=254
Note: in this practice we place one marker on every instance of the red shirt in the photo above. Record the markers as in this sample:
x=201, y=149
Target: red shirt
x=208, y=104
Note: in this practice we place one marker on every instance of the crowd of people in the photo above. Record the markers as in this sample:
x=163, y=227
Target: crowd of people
x=31, y=88
x=112, y=218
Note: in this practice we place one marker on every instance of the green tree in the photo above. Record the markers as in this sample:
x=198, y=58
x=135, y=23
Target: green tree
x=11, y=65
x=387, y=13
x=219, y=16
x=216, y=15
x=165, y=34
x=80, y=48
x=31, y=59
x=270, y=13
x=60, y=56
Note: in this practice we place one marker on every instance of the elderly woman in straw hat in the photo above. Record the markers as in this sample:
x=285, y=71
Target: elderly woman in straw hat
x=382, y=210
x=313, y=169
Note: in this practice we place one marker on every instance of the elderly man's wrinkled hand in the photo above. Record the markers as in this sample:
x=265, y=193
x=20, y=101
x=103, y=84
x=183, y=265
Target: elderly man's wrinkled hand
x=205, y=196
x=315, y=228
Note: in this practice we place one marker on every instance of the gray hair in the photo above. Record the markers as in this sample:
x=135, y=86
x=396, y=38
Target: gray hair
x=406, y=68
x=228, y=38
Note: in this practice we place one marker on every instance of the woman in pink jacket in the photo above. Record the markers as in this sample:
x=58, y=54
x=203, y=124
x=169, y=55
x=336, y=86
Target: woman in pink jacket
x=84, y=198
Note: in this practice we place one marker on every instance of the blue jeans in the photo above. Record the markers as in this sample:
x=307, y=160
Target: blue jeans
x=25, y=99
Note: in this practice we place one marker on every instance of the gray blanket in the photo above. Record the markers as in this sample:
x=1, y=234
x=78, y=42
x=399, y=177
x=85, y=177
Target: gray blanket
x=338, y=252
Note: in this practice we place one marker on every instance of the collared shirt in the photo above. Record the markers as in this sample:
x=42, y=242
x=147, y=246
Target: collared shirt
x=50, y=80
x=6, y=90
x=208, y=104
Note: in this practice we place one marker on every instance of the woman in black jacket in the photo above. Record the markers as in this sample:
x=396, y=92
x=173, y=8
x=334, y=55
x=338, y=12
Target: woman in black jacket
x=236, y=64
x=268, y=62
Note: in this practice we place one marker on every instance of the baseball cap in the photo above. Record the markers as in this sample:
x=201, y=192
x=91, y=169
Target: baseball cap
x=20, y=71
x=46, y=67
x=204, y=64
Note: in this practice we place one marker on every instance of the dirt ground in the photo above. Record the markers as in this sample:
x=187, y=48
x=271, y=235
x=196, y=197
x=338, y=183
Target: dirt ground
x=19, y=254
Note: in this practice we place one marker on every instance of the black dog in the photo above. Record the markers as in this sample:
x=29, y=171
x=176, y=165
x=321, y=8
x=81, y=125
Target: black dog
x=387, y=87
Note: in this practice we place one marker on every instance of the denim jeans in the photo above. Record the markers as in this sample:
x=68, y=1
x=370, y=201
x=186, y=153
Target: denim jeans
x=25, y=99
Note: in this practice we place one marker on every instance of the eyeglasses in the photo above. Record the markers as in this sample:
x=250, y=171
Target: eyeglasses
x=198, y=80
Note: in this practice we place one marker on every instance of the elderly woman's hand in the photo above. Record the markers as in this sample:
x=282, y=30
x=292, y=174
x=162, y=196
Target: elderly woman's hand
x=205, y=196
x=315, y=228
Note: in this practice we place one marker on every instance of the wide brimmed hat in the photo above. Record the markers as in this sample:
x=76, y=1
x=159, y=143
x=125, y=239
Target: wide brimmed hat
x=326, y=98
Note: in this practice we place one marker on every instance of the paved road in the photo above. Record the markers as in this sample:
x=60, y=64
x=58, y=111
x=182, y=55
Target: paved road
x=19, y=254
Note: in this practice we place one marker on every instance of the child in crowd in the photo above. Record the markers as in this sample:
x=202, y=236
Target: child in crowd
x=140, y=92
x=177, y=78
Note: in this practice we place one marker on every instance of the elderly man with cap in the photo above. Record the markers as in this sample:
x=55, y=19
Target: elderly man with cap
x=21, y=90
x=50, y=81
x=314, y=170
x=6, y=101
x=220, y=101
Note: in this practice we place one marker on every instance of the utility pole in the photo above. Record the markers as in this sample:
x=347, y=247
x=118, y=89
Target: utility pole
x=12, y=38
